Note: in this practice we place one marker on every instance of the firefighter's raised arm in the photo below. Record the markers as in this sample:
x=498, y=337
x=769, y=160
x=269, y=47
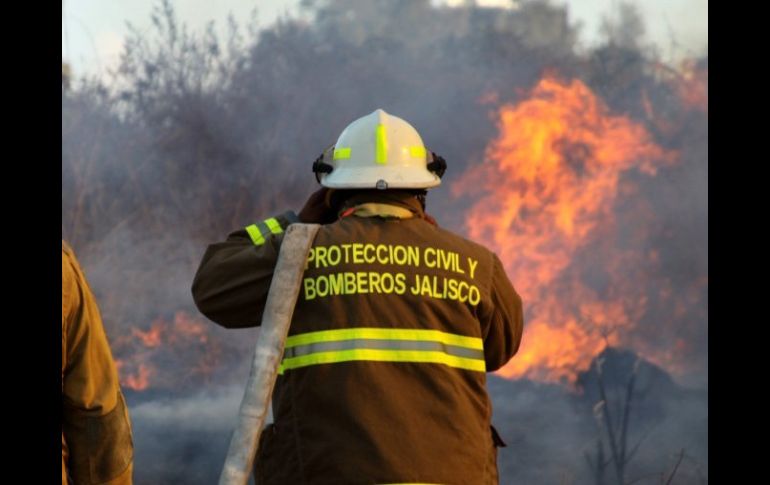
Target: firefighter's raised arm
x=232, y=281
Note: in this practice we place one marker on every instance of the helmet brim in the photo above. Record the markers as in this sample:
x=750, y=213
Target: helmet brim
x=369, y=178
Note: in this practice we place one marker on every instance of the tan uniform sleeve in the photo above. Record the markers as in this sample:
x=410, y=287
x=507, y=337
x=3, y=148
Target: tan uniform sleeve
x=233, y=279
x=504, y=323
x=97, y=445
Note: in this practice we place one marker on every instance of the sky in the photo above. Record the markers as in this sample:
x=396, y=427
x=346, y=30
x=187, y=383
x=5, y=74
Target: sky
x=93, y=31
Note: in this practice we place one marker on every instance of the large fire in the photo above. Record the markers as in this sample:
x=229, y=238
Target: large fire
x=546, y=201
x=547, y=192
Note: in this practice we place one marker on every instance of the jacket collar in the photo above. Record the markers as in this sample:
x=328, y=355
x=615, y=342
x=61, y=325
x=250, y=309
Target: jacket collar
x=387, y=204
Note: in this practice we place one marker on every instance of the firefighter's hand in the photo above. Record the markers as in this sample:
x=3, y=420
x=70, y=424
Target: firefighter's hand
x=317, y=209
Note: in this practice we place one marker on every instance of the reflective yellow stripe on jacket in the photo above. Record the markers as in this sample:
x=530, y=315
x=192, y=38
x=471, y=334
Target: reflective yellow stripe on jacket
x=259, y=231
x=383, y=345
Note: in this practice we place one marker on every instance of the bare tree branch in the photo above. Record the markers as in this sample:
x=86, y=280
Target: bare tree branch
x=676, y=467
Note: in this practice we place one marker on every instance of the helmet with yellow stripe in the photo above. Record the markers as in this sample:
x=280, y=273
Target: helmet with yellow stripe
x=379, y=151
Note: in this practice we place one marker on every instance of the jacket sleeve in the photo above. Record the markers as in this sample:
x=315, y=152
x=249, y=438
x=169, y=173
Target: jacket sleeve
x=233, y=279
x=97, y=445
x=504, y=323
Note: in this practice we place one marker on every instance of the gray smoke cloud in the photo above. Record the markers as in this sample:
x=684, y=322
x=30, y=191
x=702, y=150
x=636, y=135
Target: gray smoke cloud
x=184, y=439
x=548, y=429
x=551, y=430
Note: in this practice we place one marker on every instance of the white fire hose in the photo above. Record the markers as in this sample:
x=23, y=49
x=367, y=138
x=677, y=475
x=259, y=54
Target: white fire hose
x=268, y=353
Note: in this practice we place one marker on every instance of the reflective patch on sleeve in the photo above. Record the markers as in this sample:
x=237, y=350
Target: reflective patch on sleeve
x=256, y=236
x=273, y=225
x=260, y=231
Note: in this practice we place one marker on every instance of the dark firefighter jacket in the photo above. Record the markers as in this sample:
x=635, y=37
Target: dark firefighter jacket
x=97, y=446
x=383, y=375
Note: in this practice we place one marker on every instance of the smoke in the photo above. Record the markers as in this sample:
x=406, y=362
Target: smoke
x=199, y=135
x=205, y=412
x=550, y=431
x=184, y=439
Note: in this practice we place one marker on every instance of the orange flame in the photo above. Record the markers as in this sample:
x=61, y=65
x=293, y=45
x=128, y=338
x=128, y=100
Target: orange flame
x=693, y=86
x=175, y=343
x=150, y=338
x=545, y=192
x=137, y=382
x=689, y=83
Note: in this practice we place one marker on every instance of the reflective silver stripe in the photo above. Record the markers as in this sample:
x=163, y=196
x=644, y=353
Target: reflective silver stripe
x=263, y=229
x=382, y=344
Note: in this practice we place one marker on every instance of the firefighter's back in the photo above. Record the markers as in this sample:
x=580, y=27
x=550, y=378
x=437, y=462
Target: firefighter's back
x=383, y=377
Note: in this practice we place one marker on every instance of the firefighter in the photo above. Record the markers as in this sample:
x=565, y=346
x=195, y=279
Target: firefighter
x=383, y=377
x=97, y=446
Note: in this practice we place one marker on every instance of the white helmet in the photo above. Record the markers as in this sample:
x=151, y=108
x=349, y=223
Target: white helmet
x=379, y=151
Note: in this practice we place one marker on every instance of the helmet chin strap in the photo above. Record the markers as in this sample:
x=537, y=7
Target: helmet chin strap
x=437, y=164
x=320, y=164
